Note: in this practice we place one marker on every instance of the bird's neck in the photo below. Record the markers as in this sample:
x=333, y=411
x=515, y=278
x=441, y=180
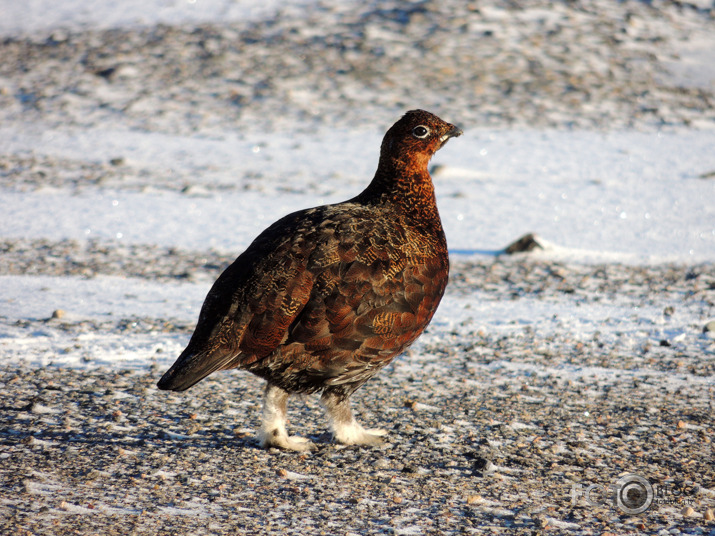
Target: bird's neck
x=406, y=185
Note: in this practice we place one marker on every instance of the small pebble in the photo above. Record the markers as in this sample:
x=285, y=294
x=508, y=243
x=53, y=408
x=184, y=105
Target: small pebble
x=381, y=463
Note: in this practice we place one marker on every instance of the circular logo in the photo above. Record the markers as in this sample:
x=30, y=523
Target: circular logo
x=634, y=494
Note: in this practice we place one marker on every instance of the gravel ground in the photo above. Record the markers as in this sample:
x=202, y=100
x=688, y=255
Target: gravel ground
x=532, y=63
x=520, y=434
x=499, y=450
x=498, y=434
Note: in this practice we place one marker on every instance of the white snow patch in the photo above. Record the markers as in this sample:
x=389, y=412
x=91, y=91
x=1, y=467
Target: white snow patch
x=103, y=297
x=623, y=196
x=38, y=16
x=559, y=524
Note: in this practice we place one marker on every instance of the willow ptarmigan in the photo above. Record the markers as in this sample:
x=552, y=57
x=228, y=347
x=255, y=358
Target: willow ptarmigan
x=326, y=297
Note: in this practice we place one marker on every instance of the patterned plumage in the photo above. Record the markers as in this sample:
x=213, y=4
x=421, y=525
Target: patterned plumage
x=326, y=297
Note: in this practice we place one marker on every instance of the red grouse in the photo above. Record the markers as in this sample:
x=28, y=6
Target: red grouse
x=326, y=297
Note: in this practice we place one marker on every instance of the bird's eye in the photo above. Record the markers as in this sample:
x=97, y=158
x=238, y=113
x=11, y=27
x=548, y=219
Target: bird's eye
x=420, y=131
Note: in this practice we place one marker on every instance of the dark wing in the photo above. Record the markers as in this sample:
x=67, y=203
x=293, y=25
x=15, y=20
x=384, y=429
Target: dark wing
x=249, y=308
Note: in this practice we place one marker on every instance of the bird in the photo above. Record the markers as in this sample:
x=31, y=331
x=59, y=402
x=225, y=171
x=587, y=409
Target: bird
x=325, y=297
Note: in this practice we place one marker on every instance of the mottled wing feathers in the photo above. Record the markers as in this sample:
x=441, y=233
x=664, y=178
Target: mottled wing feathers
x=367, y=304
x=328, y=302
x=247, y=311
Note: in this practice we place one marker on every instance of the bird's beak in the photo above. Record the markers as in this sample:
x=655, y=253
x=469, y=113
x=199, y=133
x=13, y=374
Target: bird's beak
x=453, y=132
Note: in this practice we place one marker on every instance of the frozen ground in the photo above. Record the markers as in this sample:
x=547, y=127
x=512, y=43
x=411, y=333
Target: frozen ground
x=626, y=198
x=142, y=149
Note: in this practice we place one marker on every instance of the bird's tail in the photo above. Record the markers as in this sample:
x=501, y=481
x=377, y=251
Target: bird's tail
x=190, y=368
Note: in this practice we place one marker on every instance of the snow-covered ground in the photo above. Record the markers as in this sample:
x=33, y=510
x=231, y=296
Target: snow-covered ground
x=634, y=197
x=43, y=17
x=622, y=197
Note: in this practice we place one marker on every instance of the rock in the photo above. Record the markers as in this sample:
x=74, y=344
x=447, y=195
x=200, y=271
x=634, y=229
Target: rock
x=526, y=243
x=196, y=190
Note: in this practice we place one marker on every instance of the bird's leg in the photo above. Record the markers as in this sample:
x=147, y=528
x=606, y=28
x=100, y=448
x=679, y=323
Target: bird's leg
x=345, y=428
x=273, y=424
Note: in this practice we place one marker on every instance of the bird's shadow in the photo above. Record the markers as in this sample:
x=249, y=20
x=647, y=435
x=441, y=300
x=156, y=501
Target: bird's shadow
x=59, y=438
x=167, y=440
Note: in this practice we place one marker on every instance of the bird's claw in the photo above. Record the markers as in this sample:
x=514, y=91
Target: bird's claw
x=286, y=442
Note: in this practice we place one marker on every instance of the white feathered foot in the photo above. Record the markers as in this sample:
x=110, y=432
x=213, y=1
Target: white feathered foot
x=273, y=426
x=345, y=428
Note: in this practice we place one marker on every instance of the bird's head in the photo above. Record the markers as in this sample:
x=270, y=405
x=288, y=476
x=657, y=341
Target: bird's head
x=413, y=140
